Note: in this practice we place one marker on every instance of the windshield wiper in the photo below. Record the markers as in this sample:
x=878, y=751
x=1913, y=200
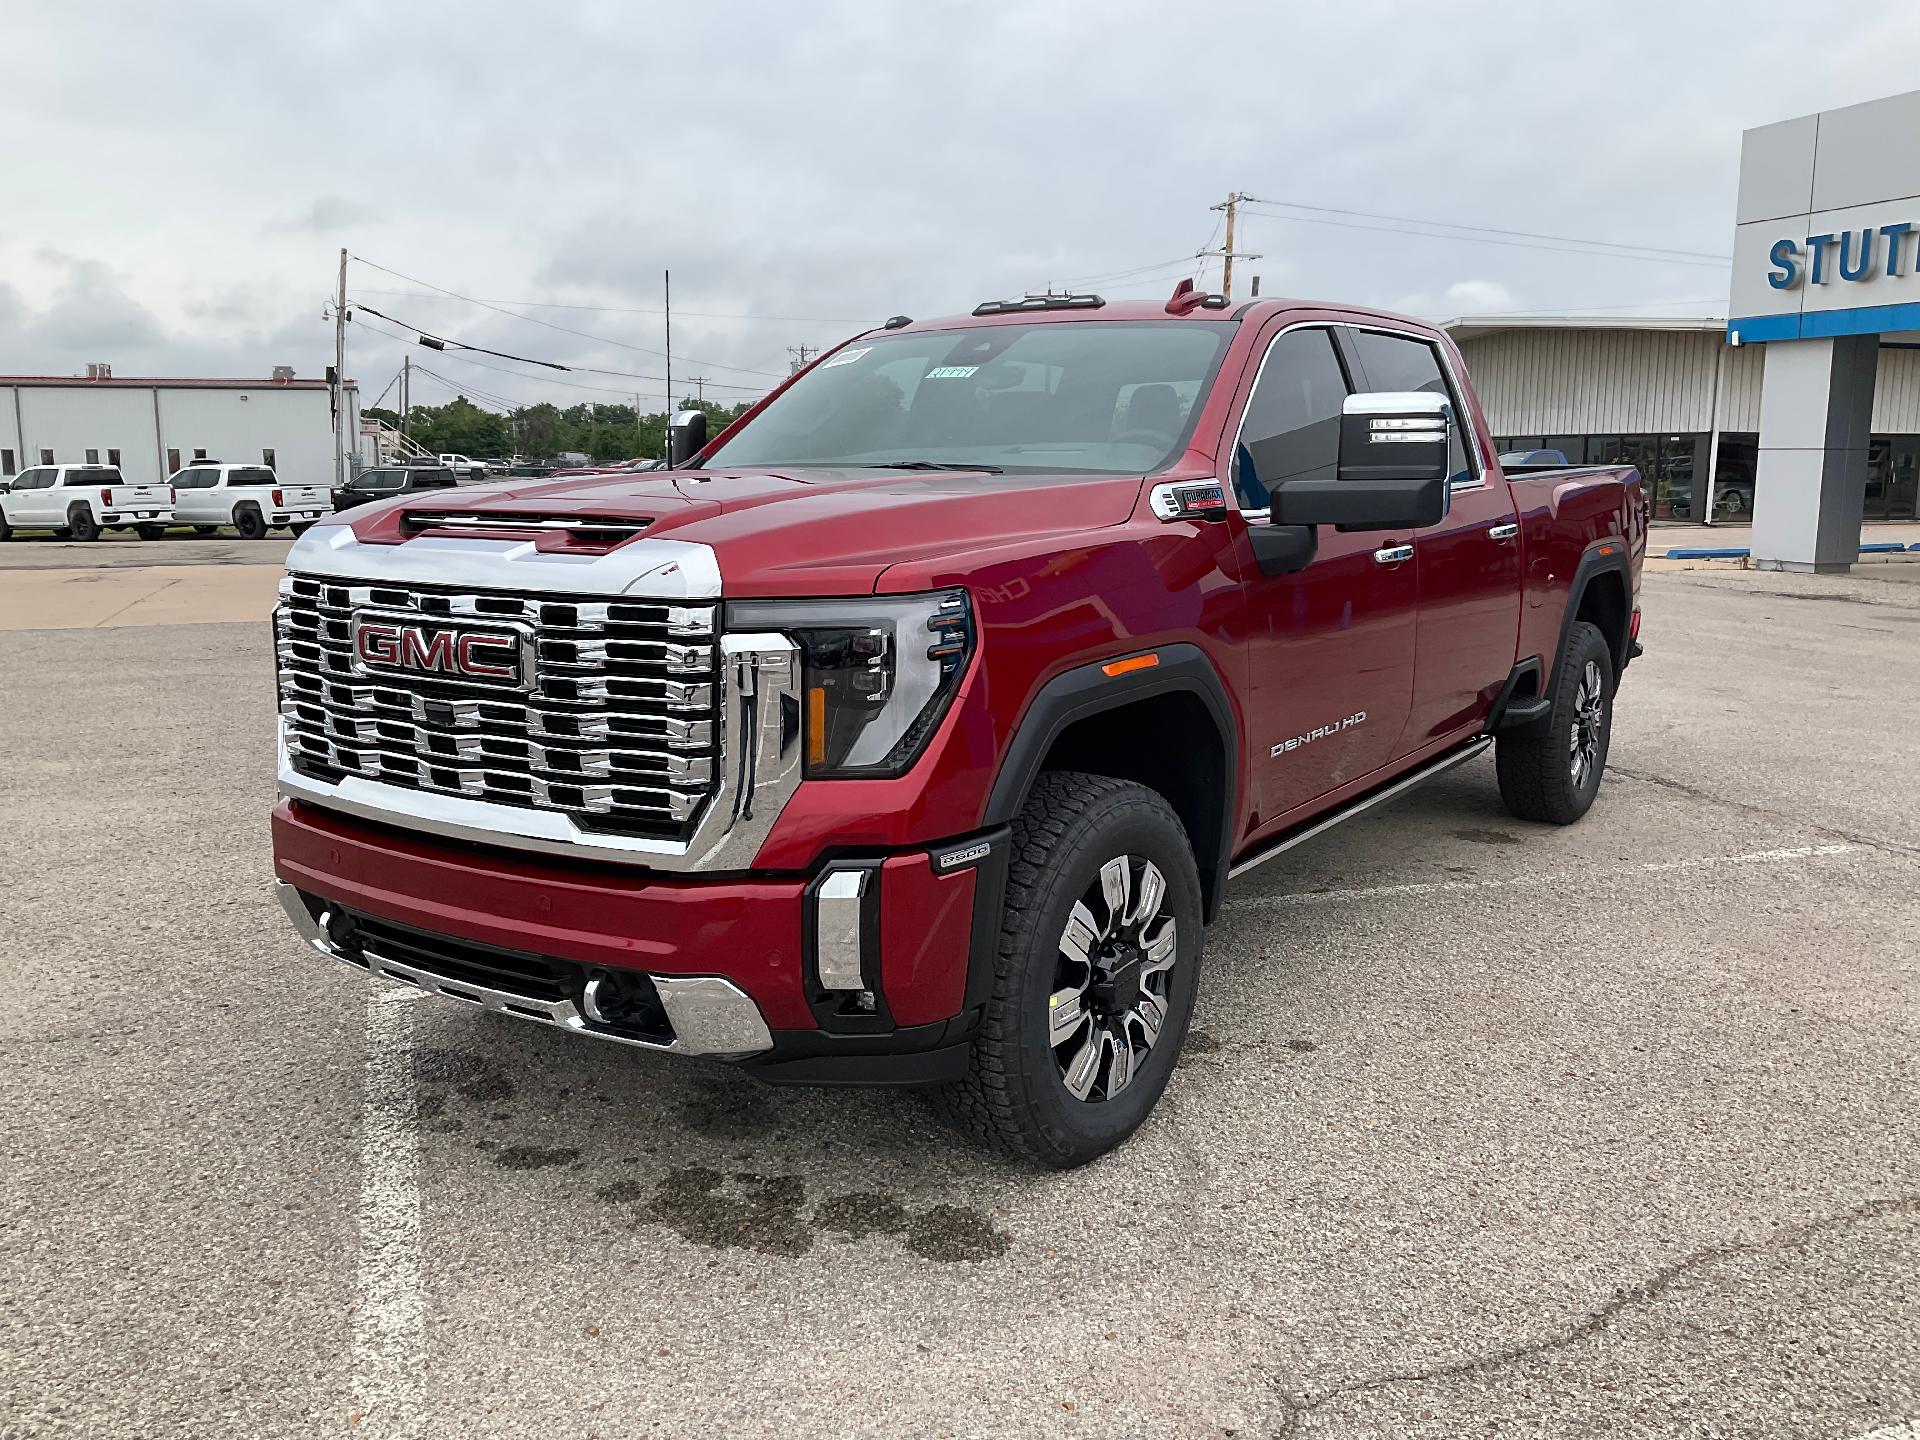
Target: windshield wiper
x=933, y=465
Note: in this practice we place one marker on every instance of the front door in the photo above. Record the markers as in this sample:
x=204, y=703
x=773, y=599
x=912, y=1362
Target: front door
x=1469, y=603
x=1330, y=647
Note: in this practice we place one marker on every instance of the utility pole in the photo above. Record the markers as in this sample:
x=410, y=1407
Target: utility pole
x=340, y=376
x=668, y=274
x=1226, y=252
x=802, y=354
x=699, y=383
x=406, y=397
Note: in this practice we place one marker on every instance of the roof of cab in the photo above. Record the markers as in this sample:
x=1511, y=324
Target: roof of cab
x=1138, y=310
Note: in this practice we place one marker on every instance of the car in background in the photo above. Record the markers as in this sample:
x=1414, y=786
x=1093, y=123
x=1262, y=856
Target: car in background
x=79, y=501
x=1557, y=459
x=250, y=498
x=532, y=469
x=496, y=466
x=392, y=480
x=463, y=467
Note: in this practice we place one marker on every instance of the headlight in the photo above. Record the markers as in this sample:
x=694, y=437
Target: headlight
x=879, y=672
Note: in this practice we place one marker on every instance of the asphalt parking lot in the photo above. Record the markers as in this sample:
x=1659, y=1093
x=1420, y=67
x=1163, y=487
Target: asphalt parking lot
x=1484, y=1128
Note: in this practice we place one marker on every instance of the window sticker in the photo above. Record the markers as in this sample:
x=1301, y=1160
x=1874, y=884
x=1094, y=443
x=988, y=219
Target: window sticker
x=845, y=357
x=951, y=372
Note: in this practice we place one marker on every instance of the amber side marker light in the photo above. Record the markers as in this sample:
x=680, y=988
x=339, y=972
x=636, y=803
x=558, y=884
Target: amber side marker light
x=1130, y=664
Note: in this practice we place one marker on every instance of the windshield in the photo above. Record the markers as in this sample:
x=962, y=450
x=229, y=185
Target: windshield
x=378, y=480
x=1097, y=396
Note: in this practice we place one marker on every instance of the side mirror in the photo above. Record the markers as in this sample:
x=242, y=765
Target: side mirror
x=686, y=437
x=1394, y=471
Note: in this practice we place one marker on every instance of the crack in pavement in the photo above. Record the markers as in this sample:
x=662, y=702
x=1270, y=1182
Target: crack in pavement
x=1790, y=1237
x=1667, y=782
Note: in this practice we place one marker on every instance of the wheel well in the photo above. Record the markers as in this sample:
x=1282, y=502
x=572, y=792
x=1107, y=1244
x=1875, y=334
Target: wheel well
x=1168, y=743
x=1604, y=604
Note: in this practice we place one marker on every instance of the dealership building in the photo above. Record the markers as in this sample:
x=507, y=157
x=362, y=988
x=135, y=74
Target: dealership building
x=1676, y=398
x=1801, y=409
x=151, y=428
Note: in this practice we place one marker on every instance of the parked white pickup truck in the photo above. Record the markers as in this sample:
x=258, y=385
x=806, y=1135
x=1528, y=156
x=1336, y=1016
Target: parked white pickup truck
x=463, y=467
x=82, y=500
x=247, y=497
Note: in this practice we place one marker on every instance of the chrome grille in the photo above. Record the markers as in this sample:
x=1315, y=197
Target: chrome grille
x=617, y=728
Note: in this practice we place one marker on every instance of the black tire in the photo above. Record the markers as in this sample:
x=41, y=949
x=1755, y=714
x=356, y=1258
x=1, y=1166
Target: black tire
x=150, y=532
x=6, y=530
x=301, y=528
x=1014, y=1096
x=251, y=524
x=1544, y=774
x=81, y=525
x=206, y=529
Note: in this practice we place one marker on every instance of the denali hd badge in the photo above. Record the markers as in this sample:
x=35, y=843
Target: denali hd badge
x=1320, y=732
x=492, y=656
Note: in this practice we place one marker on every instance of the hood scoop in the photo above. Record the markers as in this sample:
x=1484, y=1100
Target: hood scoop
x=586, y=531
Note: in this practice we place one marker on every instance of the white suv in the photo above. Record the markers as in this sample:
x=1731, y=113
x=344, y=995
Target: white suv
x=81, y=501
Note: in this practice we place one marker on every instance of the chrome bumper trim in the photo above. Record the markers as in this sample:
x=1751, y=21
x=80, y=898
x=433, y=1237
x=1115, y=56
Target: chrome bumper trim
x=710, y=1015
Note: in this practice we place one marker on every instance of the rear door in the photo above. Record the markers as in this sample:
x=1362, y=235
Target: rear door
x=195, y=501
x=1330, y=647
x=1468, y=625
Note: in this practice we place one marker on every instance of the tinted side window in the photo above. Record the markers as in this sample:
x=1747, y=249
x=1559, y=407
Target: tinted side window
x=1291, y=430
x=1393, y=362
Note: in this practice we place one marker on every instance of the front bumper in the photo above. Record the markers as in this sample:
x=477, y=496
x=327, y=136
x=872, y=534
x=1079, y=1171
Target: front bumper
x=729, y=967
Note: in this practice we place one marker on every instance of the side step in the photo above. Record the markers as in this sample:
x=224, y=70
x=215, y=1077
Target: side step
x=1365, y=803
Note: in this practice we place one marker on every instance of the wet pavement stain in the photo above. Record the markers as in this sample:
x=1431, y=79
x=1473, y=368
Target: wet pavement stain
x=858, y=1216
x=769, y=1214
x=1488, y=837
x=431, y=1110
x=1302, y=1047
x=1195, y=1048
x=955, y=1232
x=731, y=1110
x=532, y=1157
x=757, y=1212
x=475, y=1078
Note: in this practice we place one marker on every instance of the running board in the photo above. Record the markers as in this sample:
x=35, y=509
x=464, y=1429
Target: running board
x=1364, y=803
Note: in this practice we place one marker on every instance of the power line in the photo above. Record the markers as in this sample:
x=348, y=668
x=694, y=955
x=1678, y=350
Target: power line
x=441, y=343
x=516, y=374
x=1492, y=230
x=617, y=309
x=563, y=329
x=1600, y=248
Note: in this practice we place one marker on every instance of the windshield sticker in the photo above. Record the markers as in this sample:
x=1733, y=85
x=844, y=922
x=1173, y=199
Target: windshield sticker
x=845, y=357
x=951, y=372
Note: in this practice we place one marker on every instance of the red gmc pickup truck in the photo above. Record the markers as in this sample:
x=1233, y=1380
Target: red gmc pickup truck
x=910, y=731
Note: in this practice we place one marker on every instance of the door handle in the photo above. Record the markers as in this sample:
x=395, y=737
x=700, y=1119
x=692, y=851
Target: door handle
x=1392, y=554
x=1503, y=532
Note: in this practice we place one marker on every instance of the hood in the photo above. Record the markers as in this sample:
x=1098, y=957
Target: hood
x=801, y=531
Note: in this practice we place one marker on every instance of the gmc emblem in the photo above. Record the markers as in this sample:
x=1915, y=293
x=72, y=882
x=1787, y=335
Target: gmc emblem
x=490, y=656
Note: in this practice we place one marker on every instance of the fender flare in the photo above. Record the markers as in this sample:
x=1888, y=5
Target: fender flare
x=1605, y=556
x=1086, y=691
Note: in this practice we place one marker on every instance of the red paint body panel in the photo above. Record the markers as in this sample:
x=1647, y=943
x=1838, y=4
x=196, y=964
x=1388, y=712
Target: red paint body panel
x=1063, y=571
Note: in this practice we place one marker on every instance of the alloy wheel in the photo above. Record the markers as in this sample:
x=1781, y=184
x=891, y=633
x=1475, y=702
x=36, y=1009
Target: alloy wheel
x=1109, y=1001
x=1589, y=720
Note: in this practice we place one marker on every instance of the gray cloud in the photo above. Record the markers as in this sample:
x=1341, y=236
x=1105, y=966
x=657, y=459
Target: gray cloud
x=849, y=161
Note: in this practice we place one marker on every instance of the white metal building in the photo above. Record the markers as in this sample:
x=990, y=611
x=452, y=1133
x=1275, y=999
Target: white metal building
x=150, y=428
x=1673, y=397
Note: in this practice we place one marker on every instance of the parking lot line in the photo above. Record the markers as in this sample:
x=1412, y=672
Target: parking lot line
x=389, y=1301
x=1509, y=882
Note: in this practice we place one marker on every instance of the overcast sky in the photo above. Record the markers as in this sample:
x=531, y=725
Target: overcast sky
x=179, y=178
